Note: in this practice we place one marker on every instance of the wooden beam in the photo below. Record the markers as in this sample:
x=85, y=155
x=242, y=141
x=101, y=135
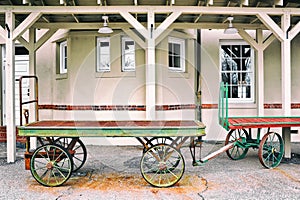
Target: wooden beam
x=163, y=36
x=268, y=41
x=245, y=2
x=248, y=39
x=175, y=25
x=278, y=2
x=145, y=9
x=27, y=23
x=23, y=42
x=135, y=23
x=136, y=38
x=268, y=22
x=295, y=30
x=166, y=23
x=44, y=38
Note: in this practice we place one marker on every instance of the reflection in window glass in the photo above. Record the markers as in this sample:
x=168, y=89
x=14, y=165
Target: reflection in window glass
x=128, y=54
x=103, y=54
x=63, y=57
x=237, y=71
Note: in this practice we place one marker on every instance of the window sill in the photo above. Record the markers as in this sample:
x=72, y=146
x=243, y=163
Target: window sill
x=242, y=105
x=175, y=74
x=61, y=76
x=114, y=74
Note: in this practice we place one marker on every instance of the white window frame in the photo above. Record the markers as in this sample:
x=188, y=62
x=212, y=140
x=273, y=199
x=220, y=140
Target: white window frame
x=181, y=42
x=103, y=58
x=239, y=80
x=125, y=53
x=63, y=68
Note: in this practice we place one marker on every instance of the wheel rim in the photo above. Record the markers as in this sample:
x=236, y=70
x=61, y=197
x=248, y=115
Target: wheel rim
x=51, y=165
x=271, y=150
x=79, y=151
x=158, y=140
x=162, y=165
x=236, y=153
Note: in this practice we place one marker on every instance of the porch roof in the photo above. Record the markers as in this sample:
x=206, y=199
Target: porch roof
x=196, y=14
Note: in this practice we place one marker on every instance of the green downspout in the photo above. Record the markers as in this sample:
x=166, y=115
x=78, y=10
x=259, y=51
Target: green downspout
x=198, y=76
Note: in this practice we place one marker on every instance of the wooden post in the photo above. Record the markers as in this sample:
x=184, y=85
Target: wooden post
x=10, y=88
x=150, y=70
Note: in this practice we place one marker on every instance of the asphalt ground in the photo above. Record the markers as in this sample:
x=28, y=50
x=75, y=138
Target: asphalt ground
x=112, y=172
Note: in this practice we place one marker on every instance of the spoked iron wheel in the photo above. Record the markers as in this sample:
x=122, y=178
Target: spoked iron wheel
x=236, y=153
x=162, y=165
x=51, y=165
x=77, y=148
x=271, y=149
x=158, y=140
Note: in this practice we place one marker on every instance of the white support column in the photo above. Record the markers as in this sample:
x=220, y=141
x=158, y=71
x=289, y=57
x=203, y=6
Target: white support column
x=32, y=71
x=150, y=70
x=286, y=82
x=286, y=67
x=260, y=73
x=10, y=89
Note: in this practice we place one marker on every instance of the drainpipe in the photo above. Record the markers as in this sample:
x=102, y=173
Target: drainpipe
x=198, y=76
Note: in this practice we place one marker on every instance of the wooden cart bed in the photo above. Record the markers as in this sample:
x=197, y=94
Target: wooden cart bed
x=61, y=128
x=262, y=122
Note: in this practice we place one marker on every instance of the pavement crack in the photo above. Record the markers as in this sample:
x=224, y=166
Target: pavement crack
x=200, y=194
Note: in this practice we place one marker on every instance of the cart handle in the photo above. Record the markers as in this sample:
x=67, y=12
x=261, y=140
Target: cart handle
x=223, y=106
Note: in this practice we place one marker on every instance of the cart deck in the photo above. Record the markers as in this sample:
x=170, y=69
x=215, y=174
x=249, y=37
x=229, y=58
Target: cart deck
x=113, y=128
x=262, y=122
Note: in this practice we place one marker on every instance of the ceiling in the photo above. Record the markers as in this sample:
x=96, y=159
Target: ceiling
x=211, y=18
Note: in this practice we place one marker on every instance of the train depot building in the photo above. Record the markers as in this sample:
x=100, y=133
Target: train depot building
x=163, y=60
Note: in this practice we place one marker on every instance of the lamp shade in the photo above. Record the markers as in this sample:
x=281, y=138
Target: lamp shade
x=105, y=28
x=230, y=30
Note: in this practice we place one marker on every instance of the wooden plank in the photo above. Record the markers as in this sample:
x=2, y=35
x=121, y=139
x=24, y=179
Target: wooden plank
x=113, y=128
x=263, y=122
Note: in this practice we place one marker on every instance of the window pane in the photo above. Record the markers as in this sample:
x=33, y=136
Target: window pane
x=237, y=70
x=176, y=49
x=236, y=51
x=63, y=57
x=103, y=54
x=104, y=44
x=176, y=62
x=246, y=51
x=128, y=54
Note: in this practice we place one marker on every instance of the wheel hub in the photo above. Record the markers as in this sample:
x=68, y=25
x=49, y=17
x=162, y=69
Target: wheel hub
x=49, y=165
x=162, y=166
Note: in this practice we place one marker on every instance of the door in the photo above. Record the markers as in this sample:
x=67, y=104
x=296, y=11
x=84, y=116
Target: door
x=21, y=69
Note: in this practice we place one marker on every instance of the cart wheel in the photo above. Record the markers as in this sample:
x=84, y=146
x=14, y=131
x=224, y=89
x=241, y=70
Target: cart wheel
x=51, y=165
x=162, y=165
x=79, y=151
x=236, y=153
x=271, y=150
x=158, y=140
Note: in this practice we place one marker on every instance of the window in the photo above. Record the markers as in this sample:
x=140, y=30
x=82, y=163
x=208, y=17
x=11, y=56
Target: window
x=63, y=57
x=237, y=70
x=176, y=54
x=103, y=54
x=128, y=54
